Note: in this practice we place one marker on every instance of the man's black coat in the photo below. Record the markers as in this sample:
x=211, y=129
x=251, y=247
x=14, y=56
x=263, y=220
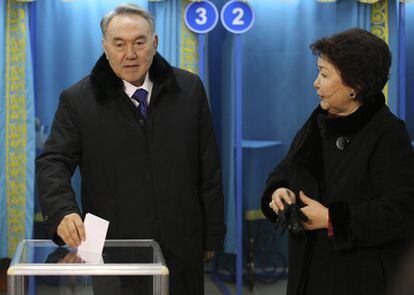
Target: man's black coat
x=369, y=190
x=159, y=178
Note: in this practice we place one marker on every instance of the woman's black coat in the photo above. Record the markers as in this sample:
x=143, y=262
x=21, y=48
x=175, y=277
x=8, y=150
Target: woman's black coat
x=370, y=196
x=159, y=178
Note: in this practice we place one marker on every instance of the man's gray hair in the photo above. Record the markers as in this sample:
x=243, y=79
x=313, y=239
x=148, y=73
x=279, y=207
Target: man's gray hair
x=123, y=9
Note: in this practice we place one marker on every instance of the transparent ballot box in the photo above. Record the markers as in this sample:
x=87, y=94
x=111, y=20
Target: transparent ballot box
x=125, y=267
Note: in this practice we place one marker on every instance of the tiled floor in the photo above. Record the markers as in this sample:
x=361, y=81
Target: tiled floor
x=278, y=288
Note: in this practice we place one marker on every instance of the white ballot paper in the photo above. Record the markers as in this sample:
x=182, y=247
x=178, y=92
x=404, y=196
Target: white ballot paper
x=95, y=230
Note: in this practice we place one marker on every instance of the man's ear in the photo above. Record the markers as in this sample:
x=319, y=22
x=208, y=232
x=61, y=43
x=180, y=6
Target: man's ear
x=104, y=45
x=155, y=43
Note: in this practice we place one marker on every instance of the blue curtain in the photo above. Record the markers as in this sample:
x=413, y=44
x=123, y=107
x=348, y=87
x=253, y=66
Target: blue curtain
x=393, y=44
x=409, y=27
x=228, y=141
x=167, y=25
x=3, y=203
x=278, y=74
x=17, y=134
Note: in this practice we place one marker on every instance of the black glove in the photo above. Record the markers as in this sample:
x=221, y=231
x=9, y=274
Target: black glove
x=292, y=218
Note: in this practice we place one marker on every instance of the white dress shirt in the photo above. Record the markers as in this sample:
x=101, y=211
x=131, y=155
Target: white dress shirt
x=130, y=89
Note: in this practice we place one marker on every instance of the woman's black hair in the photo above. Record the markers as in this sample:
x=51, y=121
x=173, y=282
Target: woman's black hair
x=362, y=59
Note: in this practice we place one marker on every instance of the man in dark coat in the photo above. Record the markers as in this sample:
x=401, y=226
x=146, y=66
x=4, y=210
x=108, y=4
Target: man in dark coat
x=141, y=133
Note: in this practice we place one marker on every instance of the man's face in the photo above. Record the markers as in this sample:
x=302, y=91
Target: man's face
x=130, y=47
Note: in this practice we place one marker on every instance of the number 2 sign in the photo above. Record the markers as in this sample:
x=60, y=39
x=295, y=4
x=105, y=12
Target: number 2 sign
x=201, y=17
x=237, y=16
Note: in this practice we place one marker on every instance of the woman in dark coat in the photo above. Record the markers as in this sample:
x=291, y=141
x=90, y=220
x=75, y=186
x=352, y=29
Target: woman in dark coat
x=350, y=169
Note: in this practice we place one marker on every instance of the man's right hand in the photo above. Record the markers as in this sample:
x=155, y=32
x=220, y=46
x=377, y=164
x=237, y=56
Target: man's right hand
x=71, y=230
x=280, y=194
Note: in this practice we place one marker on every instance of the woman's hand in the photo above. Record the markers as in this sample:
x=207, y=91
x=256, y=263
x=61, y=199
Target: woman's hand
x=316, y=212
x=280, y=194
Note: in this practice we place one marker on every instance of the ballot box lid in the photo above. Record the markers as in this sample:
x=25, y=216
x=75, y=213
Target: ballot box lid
x=119, y=257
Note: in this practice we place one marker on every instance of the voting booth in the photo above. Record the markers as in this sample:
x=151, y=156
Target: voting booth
x=125, y=267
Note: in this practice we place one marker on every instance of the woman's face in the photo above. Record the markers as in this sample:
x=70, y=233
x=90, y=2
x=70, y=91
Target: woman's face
x=334, y=95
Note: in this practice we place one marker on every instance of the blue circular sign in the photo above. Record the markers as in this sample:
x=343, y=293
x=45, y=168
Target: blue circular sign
x=237, y=16
x=201, y=17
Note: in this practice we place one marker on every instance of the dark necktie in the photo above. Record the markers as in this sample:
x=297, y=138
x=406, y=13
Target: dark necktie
x=140, y=95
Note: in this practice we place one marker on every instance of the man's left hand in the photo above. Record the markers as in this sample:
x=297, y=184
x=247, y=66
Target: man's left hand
x=70, y=258
x=208, y=254
x=316, y=212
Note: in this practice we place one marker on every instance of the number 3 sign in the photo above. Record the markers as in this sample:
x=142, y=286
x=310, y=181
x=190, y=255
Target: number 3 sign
x=201, y=17
x=237, y=16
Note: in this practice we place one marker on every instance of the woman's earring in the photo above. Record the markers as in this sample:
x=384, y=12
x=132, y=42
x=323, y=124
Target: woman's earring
x=352, y=94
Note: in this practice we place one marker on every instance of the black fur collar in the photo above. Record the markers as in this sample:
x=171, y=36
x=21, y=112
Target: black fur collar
x=107, y=86
x=307, y=148
x=348, y=125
